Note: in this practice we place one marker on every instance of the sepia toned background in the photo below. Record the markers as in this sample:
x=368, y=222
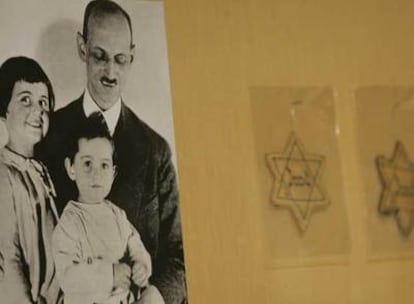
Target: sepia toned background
x=218, y=49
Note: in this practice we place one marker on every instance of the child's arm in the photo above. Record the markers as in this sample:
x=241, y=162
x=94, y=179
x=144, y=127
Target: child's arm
x=76, y=273
x=140, y=258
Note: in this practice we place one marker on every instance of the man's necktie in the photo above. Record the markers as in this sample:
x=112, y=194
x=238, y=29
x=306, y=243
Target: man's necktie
x=98, y=119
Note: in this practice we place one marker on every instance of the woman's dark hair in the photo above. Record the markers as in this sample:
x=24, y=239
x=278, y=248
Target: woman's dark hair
x=17, y=69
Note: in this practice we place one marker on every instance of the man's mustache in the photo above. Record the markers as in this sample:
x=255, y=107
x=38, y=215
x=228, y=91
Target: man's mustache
x=110, y=81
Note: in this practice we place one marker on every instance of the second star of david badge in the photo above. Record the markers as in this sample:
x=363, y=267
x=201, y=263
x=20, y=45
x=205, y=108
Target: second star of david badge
x=397, y=197
x=296, y=181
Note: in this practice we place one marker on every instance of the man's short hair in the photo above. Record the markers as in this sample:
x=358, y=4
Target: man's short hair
x=17, y=69
x=100, y=8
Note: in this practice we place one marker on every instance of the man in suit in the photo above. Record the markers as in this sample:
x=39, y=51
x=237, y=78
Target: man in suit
x=145, y=185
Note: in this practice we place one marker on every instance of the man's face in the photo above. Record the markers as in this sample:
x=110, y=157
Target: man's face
x=108, y=54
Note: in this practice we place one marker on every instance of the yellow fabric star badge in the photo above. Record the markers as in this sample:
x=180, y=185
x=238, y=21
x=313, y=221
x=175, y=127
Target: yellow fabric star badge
x=397, y=197
x=296, y=181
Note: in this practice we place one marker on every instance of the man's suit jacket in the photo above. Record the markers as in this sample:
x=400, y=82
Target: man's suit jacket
x=145, y=187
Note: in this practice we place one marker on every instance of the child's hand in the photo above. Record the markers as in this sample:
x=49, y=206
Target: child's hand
x=122, y=276
x=140, y=274
x=150, y=295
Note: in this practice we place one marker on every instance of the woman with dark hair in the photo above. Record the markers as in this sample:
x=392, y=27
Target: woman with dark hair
x=27, y=210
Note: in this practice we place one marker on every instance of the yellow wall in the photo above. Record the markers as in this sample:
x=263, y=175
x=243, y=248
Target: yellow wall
x=217, y=49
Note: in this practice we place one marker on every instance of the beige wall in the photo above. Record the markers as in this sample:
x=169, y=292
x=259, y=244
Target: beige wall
x=217, y=50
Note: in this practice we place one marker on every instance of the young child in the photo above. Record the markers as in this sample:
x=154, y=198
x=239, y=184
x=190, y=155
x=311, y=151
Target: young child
x=97, y=251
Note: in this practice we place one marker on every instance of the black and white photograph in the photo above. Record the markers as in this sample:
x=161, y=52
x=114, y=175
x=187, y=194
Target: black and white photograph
x=88, y=181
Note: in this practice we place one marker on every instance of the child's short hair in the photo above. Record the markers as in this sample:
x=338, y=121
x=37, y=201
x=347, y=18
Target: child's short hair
x=88, y=130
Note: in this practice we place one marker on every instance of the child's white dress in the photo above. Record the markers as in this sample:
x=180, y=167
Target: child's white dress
x=87, y=241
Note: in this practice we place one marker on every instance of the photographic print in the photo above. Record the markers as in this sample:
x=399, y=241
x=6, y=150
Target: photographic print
x=88, y=183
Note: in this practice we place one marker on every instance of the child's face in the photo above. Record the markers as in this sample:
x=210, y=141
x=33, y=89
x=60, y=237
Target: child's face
x=92, y=169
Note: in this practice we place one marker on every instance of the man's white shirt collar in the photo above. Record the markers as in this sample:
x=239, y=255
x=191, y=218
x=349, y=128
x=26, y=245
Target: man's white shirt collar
x=111, y=115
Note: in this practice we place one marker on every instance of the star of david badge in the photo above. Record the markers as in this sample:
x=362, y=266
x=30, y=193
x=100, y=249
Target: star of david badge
x=296, y=181
x=397, y=197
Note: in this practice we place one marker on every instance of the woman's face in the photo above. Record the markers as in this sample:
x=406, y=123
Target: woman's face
x=27, y=117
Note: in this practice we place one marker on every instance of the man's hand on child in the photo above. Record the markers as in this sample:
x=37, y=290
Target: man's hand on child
x=122, y=276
